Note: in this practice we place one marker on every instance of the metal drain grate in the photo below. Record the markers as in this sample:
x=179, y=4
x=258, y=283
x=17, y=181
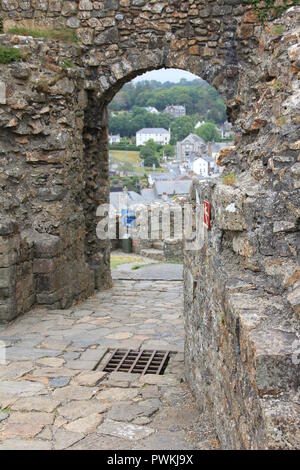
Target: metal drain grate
x=138, y=362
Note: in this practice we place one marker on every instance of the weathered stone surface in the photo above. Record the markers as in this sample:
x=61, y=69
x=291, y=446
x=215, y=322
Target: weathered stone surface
x=85, y=425
x=159, y=380
x=30, y=417
x=25, y=444
x=24, y=425
x=117, y=394
x=51, y=361
x=21, y=388
x=102, y=442
x=90, y=379
x=129, y=412
x=64, y=439
x=144, y=401
x=45, y=404
x=78, y=409
x=59, y=382
x=52, y=372
x=229, y=209
x=131, y=432
x=73, y=392
x=165, y=441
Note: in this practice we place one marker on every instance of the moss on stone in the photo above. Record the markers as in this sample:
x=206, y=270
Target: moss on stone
x=63, y=34
x=229, y=179
x=270, y=8
x=68, y=64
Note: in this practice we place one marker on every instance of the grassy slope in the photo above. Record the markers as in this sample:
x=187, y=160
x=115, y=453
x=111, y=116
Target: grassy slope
x=122, y=156
x=118, y=259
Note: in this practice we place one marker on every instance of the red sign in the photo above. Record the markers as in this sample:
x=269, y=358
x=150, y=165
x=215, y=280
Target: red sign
x=207, y=214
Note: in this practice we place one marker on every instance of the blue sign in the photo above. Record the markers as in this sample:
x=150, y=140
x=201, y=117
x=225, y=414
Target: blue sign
x=128, y=218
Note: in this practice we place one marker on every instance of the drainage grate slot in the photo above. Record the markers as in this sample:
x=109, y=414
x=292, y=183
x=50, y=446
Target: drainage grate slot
x=138, y=362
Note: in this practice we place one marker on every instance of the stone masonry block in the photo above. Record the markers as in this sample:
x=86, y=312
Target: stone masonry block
x=45, y=246
x=228, y=206
x=8, y=310
x=47, y=282
x=7, y=226
x=44, y=266
x=7, y=277
x=8, y=253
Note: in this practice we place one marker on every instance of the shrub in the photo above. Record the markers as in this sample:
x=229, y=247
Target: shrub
x=229, y=179
x=127, y=147
x=9, y=54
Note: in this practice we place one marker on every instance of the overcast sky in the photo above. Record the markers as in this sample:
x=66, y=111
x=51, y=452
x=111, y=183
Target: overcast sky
x=166, y=75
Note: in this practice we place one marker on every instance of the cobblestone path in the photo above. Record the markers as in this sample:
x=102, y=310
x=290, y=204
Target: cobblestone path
x=55, y=395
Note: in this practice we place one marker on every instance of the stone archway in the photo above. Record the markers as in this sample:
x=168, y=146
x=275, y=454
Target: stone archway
x=242, y=289
x=55, y=124
x=95, y=137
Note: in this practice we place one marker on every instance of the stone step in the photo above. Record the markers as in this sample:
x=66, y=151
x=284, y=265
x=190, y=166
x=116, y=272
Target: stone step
x=152, y=253
x=268, y=339
x=282, y=419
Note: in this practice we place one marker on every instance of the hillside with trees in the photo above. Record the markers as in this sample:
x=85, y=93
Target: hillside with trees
x=128, y=114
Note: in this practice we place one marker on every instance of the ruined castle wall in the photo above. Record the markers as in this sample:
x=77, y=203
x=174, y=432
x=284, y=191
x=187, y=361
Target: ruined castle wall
x=242, y=287
x=53, y=121
x=124, y=37
x=43, y=179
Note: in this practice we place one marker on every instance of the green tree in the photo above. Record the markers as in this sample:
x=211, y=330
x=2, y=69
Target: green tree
x=132, y=183
x=152, y=160
x=209, y=132
x=149, y=149
x=198, y=97
x=168, y=150
x=181, y=128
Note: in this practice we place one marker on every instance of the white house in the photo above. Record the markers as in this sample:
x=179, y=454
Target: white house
x=151, y=110
x=199, y=124
x=226, y=130
x=114, y=139
x=204, y=166
x=175, y=111
x=159, y=135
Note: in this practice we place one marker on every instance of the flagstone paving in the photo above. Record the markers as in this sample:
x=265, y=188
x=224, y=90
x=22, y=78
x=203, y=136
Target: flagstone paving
x=55, y=395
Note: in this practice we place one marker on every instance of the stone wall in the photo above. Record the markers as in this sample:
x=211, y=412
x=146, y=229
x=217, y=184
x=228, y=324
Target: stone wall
x=53, y=120
x=242, y=288
x=242, y=291
x=45, y=173
x=173, y=250
x=162, y=238
x=122, y=38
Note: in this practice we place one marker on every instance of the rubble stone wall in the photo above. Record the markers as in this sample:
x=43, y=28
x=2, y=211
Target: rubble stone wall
x=42, y=178
x=242, y=288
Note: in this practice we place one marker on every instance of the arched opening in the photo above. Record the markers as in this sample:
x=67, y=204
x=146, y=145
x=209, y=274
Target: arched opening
x=166, y=127
x=193, y=118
